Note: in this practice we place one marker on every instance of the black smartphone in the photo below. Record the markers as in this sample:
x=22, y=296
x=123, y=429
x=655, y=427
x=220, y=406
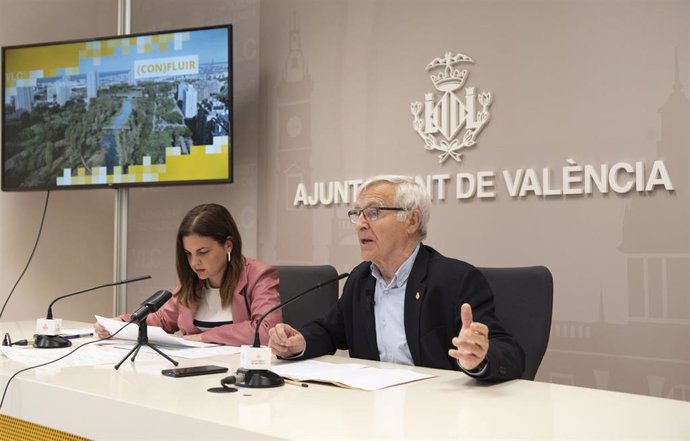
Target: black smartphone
x=194, y=370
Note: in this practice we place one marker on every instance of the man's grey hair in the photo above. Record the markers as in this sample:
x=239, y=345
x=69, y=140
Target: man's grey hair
x=410, y=195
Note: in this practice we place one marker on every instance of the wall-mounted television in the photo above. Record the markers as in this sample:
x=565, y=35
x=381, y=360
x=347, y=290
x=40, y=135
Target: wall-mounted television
x=132, y=110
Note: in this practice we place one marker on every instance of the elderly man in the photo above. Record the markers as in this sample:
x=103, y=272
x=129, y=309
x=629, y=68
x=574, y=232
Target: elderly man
x=407, y=303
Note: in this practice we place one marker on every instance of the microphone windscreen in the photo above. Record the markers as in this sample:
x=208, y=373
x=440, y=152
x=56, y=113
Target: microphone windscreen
x=152, y=304
x=157, y=300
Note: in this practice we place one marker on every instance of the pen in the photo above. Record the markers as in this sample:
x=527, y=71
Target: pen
x=295, y=383
x=78, y=335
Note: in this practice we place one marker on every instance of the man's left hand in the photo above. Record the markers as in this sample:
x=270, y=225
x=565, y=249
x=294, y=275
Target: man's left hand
x=472, y=342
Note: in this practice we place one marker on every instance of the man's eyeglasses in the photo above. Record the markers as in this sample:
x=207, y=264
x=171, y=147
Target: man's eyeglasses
x=370, y=213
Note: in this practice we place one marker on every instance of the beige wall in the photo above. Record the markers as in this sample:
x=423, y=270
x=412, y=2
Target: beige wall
x=596, y=82
x=76, y=246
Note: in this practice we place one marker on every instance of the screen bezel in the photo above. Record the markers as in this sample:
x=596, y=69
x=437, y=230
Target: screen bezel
x=230, y=179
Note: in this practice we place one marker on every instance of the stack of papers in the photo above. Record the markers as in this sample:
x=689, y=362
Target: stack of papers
x=350, y=375
x=86, y=356
x=156, y=335
x=175, y=346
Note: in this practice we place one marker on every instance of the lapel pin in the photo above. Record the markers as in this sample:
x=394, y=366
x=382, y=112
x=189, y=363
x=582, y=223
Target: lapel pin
x=417, y=296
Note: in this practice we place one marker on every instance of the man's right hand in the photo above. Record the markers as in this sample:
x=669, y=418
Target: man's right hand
x=286, y=341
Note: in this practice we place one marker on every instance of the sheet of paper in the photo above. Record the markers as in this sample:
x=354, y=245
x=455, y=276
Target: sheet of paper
x=312, y=369
x=370, y=378
x=352, y=375
x=86, y=356
x=155, y=334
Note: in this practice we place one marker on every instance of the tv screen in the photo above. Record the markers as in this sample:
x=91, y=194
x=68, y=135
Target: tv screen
x=146, y=109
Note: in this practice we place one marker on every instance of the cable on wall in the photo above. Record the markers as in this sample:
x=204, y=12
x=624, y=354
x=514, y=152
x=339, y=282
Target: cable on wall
x=38, y=237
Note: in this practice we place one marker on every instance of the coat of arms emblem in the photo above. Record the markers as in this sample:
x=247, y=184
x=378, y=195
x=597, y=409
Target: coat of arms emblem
x=449, y=125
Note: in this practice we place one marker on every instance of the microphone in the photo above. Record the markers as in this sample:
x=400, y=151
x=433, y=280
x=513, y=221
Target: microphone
x=152, y=304
x=47, y=329
x=255, y=360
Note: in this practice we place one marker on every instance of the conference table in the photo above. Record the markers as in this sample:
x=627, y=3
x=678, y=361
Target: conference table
x=137, y=402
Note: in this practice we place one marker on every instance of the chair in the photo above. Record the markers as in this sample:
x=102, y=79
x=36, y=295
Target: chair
x=523, y=297
x=295, y=279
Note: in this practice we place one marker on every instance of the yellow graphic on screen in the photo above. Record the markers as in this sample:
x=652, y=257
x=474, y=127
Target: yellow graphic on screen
x=204, y=162
x=24, y=66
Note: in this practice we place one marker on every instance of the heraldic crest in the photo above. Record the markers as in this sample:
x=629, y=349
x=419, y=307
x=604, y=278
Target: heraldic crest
x=441, y=126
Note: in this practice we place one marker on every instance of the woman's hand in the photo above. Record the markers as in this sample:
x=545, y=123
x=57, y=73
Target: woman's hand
x=101, y=331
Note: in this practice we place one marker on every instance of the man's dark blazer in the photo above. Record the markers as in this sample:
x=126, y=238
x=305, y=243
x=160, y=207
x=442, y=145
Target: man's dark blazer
x=436, y=289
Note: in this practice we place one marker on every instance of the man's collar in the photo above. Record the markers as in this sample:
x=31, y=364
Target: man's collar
x=402, y=273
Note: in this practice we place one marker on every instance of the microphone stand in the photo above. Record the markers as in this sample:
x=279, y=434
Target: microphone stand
x=49, y=315
x=143, y=340
x=58, y=341
x=262, y=378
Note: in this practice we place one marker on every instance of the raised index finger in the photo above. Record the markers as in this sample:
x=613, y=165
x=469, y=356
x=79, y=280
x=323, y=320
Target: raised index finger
x=466, y=315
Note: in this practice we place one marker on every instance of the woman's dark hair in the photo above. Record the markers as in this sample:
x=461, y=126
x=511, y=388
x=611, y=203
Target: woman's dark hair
x=213, y=221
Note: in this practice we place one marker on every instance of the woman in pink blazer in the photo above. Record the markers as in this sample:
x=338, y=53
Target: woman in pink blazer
x=221, y=294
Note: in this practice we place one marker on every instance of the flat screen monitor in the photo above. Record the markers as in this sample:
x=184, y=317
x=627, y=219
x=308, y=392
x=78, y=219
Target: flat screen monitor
x=134, y=110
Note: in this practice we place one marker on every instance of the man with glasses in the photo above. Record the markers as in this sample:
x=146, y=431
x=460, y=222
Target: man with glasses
x=407, y=303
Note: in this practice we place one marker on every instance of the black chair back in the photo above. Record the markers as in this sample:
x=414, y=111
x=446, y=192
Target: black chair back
x=295, y=279
x=524, y=302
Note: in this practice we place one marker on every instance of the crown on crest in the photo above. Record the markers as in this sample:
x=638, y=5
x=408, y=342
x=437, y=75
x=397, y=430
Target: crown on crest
x=449, y=79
